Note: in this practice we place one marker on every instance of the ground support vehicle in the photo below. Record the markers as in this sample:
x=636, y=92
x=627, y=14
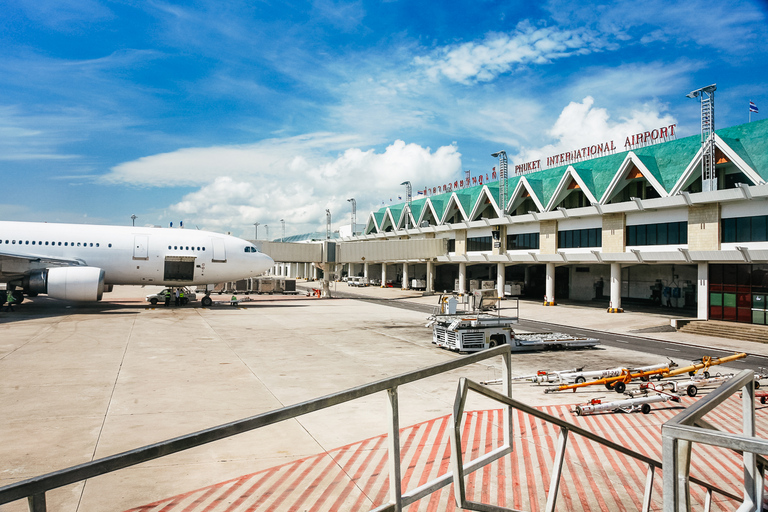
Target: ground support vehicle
x=579, y=375
x=357, y=281
x=475, y=332
x=459, y=324
x=642, y=404
x=705, y=364
x=154, y=298
x=545, y=376
x=619, y=383
x=690, y=386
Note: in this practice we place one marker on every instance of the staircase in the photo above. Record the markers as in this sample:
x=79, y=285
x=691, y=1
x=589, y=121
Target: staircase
x=733, y=330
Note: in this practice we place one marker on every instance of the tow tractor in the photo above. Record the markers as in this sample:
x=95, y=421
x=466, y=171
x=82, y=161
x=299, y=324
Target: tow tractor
x=460, y=324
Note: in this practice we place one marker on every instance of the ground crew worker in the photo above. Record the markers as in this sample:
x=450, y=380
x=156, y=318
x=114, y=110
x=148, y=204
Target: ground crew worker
x=10, y=298
x=167, y=297
x=181, y=297
x=233, y=300
x=176, y=297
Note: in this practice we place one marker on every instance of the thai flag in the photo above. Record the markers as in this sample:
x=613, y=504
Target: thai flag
x=753, y=107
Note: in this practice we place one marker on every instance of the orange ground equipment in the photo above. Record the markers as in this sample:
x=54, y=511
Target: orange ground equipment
x=619, y=383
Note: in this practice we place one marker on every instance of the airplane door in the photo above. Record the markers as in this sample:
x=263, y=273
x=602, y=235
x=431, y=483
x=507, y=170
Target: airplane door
x=140, y=248
x=219, y=250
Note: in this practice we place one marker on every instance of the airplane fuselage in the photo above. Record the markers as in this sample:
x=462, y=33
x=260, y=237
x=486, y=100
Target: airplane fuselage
x=129, y=255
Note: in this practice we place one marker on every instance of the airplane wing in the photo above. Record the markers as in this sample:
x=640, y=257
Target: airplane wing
x=13, y=266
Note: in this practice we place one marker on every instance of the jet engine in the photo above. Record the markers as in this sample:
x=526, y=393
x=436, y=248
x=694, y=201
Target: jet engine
x=67, y=283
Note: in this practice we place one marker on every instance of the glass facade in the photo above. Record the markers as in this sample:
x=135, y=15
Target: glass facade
x=744, y=229
x=480, y=243
x=667, y=233
x=574, y=238
x=523, y=241
x=738, y=293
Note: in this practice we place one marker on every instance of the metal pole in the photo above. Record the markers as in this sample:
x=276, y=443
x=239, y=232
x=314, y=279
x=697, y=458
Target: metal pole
x=133, y=220
x=354, y=214
x=283, y=222
x=256, y=234
x=502, y=180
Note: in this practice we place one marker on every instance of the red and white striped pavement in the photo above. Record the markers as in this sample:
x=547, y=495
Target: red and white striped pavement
x=354, y=477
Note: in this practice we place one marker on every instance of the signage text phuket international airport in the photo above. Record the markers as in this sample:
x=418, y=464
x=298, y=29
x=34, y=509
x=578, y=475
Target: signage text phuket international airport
x=632, y=142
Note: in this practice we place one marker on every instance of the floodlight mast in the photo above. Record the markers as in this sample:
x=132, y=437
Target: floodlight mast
x=408, y=194
x=502, y=180
x=706, y=97
x=354, y=214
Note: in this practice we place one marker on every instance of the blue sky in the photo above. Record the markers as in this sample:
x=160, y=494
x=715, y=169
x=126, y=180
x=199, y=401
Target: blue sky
x=226, y=113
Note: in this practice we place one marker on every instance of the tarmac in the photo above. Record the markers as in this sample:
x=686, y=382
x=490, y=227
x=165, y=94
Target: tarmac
x=79, y=382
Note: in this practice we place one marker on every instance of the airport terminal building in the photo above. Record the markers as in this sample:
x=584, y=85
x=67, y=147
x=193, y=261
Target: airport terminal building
x=619, y=222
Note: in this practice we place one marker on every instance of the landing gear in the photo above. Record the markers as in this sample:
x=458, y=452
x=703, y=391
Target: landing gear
x=206, y=301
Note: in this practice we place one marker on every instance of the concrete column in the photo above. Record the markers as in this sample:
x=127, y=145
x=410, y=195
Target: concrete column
x=702, y=292
x=462, y=277
x=615, y=305
x=383, y=274
x=365, y=270
x=549, y=297
x=406, y=282
x=314, y=272
x=500, y=276
x=430, y=277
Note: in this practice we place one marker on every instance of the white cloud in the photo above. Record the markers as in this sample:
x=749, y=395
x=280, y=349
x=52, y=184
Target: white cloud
x=582, y=124
x=500, y=53
x=294, y=179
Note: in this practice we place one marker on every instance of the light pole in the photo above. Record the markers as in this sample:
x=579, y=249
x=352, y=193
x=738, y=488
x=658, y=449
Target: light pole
x=706, y=96
x=256, y=234
x=354, y=214
x=502, y=180
x=407, y=209
x=267, y=228
x=327, y=224
x=283, y=221
x=133, y=220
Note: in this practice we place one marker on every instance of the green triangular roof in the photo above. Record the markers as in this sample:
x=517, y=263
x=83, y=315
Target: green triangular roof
x=598, y=173
x=416, y=207
x=397, y=212
x=668, y=160
x=379, y=216
x=544, y=183
x=750, y=142
x=439, y=203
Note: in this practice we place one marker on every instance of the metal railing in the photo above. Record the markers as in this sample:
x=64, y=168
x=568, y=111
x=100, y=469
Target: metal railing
x=466, y=385
x=35, y=489
x=689, y=427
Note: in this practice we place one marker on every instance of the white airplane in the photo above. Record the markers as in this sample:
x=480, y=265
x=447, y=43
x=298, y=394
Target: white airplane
x=80, y=262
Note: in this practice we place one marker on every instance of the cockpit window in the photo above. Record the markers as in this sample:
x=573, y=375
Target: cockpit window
x=248, y=248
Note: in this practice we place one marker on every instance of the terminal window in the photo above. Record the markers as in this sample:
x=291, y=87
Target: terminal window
x=666, y=233
x=575, y=238
x=744, y=229
x=523, y=241
x=480, y=243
